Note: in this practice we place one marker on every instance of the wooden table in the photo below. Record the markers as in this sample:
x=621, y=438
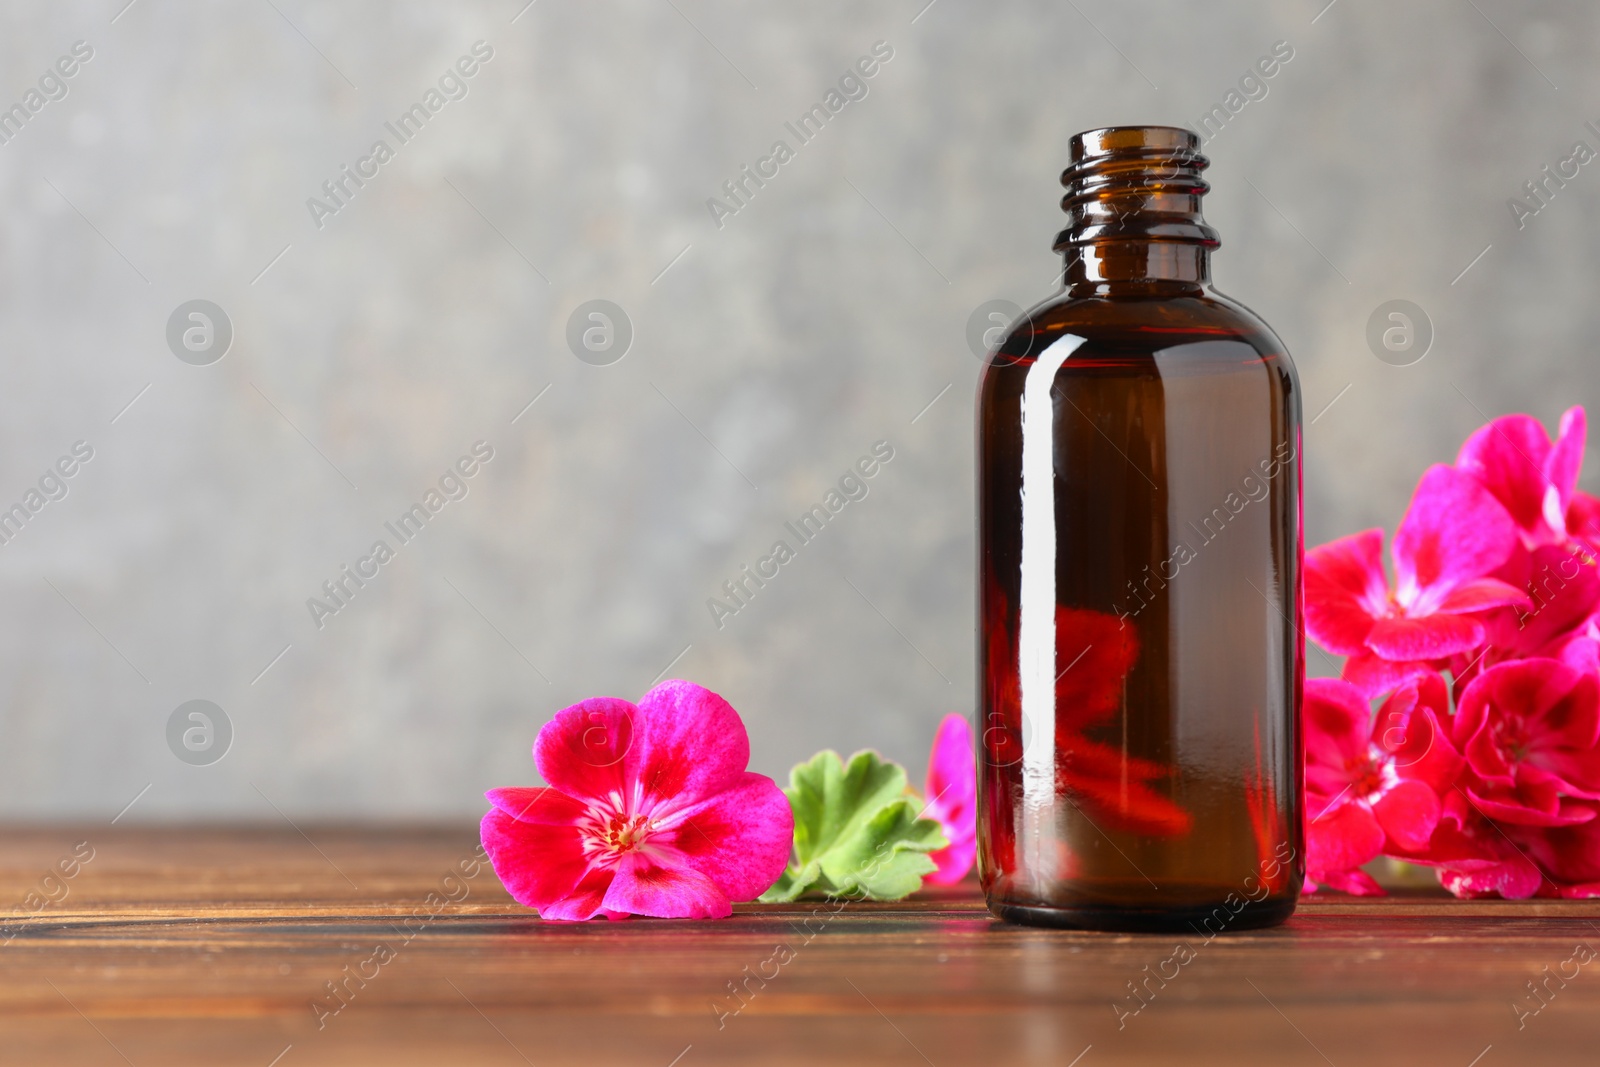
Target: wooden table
x=215, y=945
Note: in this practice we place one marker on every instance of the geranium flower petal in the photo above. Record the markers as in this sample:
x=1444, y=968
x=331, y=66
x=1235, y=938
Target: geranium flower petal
x=1574, y=772
x=537, y=863
x=1580, y=892
x=550, y=806
x=1408, y=814
x=1337, y=722
x=952, y=779
x=1513, y=879
x=1454, y=531
x=1374, y=675
x=1524, y=689
x=1583, y=518
x=1532, y=804
x=1341, y=838
x=1463, y=839
x=1508, y=458
x=1427, y=755
x=584, y=902
x=1569, y=853
x=1572, y=720
x=1345, y=590
x=1476, y=858
x=952, y=862
x=645, y=886
x=740, y=838
x=1473, y=728
x=582, y=750
x=952, y=791
x=1582, y=654
x=1566, y=592
x=689, y=744
x=1408, y=726
x=1357, y=883
x=1481, y=594
x=1426, y=638
x=1566, y=459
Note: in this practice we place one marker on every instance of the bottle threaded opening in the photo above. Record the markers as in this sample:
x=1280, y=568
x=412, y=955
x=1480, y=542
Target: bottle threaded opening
x=1139, y=183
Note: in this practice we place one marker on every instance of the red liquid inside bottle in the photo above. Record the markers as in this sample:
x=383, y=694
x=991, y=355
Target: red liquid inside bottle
x=1141, y=652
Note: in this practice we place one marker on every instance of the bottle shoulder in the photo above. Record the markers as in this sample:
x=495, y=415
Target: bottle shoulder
x=1197, y=322
x=1197, y=331
x=1154, y=321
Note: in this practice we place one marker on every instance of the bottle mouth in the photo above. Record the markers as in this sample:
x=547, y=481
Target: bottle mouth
x=1135, y=183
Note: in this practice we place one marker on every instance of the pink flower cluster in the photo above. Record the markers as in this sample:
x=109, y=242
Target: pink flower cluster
x=1491, y=777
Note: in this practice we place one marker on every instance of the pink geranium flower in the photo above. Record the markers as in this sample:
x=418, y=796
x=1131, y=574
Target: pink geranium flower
x=1529, y=731
x=650, y=811
x=1373, y=784
x=1534, y=478
x=952, y=791
x=1452, y=537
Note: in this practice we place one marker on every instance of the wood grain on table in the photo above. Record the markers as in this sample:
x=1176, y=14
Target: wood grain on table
x=221, y=946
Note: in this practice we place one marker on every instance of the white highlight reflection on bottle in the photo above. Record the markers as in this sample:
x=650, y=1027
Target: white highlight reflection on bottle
x=1036, y=641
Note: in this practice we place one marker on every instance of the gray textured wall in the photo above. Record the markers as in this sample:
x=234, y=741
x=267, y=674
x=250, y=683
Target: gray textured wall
x=822, y=317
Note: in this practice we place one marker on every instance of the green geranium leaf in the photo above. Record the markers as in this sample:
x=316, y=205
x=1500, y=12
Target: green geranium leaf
x=856, y=831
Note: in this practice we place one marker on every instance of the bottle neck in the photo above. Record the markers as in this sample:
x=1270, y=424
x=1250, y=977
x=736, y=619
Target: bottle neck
x=1134, y=225
x=1132, y=268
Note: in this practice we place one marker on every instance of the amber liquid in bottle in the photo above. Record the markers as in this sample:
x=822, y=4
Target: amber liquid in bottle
x=1140, y=645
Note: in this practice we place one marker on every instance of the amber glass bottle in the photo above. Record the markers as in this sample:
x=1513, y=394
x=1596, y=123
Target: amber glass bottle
x=1140, y=647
